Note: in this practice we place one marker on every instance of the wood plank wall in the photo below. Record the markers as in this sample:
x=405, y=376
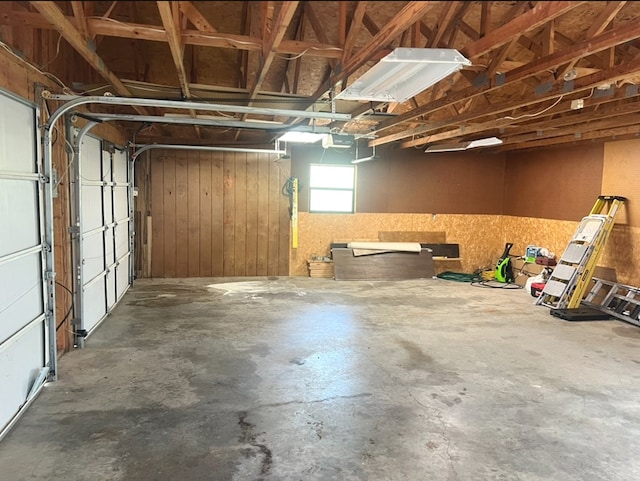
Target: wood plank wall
x=213, y=214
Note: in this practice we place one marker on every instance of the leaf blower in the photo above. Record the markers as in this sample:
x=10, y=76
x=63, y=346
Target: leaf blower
x=504, y=269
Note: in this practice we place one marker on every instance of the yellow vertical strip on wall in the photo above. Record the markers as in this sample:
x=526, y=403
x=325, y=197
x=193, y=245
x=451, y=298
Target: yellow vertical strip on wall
x=294, y=214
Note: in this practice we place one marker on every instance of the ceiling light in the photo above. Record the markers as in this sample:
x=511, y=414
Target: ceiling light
x=300, y=137
x=489, y=141
x=404, y=73
x=472, y=144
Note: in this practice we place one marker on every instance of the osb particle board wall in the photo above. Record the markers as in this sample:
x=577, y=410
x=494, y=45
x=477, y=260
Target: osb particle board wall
x=215, y=214
x=480, y=236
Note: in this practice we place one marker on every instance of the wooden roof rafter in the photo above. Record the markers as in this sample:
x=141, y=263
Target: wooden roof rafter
x=170, y=15
x=602, y=42
x=269, y=48
x=52, y=13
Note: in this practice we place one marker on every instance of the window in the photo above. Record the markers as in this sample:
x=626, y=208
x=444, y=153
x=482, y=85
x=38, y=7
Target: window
x=331, y=188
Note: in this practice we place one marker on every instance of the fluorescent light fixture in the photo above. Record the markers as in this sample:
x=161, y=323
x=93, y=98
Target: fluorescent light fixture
x=472, y=144
x=300, y=137
x=404, y=73
x=488, y=142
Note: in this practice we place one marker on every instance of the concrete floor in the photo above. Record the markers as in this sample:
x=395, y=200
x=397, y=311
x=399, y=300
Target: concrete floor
x=315, y=379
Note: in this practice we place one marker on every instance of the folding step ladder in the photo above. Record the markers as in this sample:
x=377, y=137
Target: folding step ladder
x=570, y=278
x=619, y=300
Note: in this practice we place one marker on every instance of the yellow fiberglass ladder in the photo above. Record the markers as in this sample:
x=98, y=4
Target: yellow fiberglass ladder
x=572, y=275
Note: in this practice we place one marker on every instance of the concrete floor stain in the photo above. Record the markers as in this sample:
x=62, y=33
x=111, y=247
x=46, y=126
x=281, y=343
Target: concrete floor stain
x=249, y=437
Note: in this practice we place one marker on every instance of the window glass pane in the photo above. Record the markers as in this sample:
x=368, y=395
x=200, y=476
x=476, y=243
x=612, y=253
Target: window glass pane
x=330, y=200
x=332, y=176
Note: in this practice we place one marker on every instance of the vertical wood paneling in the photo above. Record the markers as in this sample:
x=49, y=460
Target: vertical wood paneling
x=253, y=209
x=193, y=218
x=169, y=214
x=219, y=214
x=229, y=201
x=240, y=224
x=205, y=215
x=182, y=213
x=157, y=217
x=262, y=261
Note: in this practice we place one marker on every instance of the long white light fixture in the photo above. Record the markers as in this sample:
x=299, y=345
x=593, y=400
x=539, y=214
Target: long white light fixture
x=472, y=144
x=404, y=73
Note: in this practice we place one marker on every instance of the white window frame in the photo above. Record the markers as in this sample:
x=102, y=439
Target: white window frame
x=352, y=190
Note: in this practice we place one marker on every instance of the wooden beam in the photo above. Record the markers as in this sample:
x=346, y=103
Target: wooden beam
x=548, y=38
x=411, y=12
x=317, y=27
x=575, y=117
x=485, y=18
x=587, y=82
x=154, y=33
x=171, y=23
x=500, y=57
x=285, y=14
x=632, y=131
x=196, y=18
x=281, y=23
x=542, y=13
x=597, y=27
x=170, y=15
x=620, y=35
x=604, y=19
x=354, y=28
x=446, y=16
x=81, y=20
x=52, y=13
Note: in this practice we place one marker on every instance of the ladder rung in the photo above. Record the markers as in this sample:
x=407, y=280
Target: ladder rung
x=563, y=271
x=554, y=288
x=574, y=253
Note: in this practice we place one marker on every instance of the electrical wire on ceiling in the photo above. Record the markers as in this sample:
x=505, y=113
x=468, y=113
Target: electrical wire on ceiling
x=65, y=89
x=534, y=114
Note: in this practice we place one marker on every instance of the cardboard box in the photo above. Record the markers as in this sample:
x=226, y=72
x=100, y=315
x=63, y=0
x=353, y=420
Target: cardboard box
x=523, y=270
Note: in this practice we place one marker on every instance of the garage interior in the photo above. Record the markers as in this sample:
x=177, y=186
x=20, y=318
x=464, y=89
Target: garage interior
x=180, y=299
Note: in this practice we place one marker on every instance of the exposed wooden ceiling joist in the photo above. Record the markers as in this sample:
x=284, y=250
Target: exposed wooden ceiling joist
x=52, y=13
x=603, y=41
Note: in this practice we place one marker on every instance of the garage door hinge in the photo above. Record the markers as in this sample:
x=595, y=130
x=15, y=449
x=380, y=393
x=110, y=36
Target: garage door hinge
x=43, y=179
x=74, y=229
x=50, y=275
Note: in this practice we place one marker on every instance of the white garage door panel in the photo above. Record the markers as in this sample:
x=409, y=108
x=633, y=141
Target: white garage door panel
x=17, y=136
x=93, y=257
x=121, y=199
x=122, y=272
x=91, y=159
x=91, y=207
x=122, y=240
x=110, y=256
x=18, y=215
x=94, y=303
x=111, y=289
x=107, y=203
x=21, y=298
x=120, y=167
x=20, y=362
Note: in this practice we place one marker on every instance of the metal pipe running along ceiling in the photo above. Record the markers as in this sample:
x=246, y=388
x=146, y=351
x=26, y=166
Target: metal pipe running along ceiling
x=76, y=100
